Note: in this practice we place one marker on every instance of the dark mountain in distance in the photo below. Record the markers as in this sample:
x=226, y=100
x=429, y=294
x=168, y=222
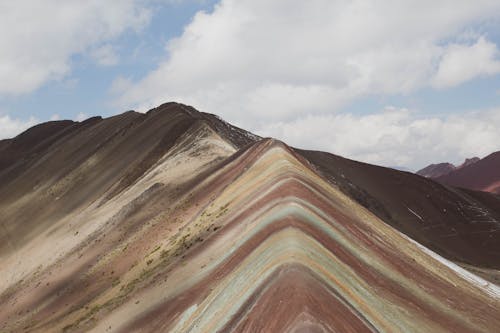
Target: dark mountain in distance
x=474, y=173
x=176, y=221
x=483, y=175
x=436, y=170
x=441, y=169
x=469, y=161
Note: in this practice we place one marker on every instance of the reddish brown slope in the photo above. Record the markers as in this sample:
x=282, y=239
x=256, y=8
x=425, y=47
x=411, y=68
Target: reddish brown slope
x=483, y=175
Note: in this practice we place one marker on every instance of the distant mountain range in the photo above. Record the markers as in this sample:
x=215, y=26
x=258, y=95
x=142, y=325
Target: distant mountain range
x=176, y=221
x=475, y=174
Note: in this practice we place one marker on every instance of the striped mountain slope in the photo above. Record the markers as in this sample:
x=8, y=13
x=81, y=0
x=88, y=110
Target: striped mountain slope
x=220, y=231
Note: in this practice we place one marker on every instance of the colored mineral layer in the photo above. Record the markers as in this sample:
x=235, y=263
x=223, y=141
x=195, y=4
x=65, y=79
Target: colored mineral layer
x=175, y=221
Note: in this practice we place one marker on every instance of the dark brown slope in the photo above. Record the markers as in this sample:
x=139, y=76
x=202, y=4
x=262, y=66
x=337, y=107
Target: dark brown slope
x=53, y=168
x=461, y=225
x=31, y=142
x=484, y=175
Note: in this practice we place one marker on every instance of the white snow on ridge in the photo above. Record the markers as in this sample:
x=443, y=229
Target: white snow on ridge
x=488, y=287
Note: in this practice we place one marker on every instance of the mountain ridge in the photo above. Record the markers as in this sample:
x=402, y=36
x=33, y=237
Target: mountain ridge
x=178, y=221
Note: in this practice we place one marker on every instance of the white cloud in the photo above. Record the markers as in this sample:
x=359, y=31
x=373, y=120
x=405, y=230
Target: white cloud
x=461, y=62
x=10, y=127
x=254, y=61
x=81, y=116
x=120, y=84
x=55, y=116
x=38, y=38
x=394, y=137
x=105, y=55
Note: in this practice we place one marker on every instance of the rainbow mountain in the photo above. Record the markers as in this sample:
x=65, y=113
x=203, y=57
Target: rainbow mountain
x=176, y=221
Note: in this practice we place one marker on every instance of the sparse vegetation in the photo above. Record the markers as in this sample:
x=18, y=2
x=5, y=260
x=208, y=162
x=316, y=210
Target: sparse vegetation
x=155, y=249
x=87, y=316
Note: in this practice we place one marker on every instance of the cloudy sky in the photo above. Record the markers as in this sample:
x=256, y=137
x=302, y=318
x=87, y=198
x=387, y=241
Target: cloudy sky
x=396, y=83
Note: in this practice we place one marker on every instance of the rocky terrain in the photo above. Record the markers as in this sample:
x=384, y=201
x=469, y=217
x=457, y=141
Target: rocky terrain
x=176, y=221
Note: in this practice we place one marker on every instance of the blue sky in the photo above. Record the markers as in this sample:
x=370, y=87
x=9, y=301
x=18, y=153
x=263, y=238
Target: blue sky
x=85, y=89
x=399, y=85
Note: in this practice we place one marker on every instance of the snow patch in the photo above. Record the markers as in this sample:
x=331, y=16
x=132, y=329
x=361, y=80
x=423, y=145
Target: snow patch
x=413, y=212
x=489, y=288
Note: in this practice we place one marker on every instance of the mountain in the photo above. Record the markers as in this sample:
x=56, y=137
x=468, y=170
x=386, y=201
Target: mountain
x=468, y=161
x=474, y=173
x=436, y=170
x=483, y=175
x=441, y=169
x=176, y=221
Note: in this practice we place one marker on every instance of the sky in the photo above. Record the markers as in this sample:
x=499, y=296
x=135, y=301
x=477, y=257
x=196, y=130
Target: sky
x=401, y=84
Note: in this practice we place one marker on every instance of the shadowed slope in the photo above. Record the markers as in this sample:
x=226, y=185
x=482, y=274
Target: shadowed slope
x=56, y=168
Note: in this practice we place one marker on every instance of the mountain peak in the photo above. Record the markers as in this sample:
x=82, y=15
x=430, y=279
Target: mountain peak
x=474, y=173
x=441, y=169
x=468, y=161
x=436, y=170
